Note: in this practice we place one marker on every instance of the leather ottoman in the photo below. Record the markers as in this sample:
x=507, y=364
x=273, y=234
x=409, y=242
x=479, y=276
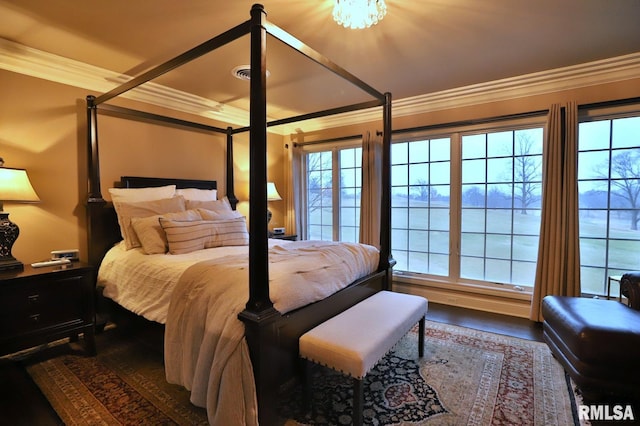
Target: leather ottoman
x=597, y=342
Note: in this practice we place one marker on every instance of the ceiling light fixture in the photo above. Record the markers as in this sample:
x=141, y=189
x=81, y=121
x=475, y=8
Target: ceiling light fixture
x=358, y=14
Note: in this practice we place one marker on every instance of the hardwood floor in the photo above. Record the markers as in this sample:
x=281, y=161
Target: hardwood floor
x=22, y=403
x=486, y=321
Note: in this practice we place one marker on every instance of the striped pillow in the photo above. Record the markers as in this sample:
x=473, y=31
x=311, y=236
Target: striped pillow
x=185, y=237
x=150, y=233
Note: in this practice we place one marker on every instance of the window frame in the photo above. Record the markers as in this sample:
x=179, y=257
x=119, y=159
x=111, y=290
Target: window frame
x=455, y=132
x=589, y=114
x=334, y=148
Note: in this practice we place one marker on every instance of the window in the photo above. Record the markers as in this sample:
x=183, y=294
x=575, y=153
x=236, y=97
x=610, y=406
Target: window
x=420, y=181
x=466, y=206
x=333, y=182
x=609, y=199
x=501, y=195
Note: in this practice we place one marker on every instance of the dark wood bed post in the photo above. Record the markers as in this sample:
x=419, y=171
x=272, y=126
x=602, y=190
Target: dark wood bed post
x=386, y=259
x=97, y=232
x=259, y=315
x=231, y=195
x=94, y=159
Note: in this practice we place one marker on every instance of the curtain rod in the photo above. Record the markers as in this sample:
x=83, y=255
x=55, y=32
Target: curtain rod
x=470, y=122
x=338, y=139
x=618, y=102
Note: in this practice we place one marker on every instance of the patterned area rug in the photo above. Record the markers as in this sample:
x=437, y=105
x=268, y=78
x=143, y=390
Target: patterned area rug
x=466, y=377
x=123, y=385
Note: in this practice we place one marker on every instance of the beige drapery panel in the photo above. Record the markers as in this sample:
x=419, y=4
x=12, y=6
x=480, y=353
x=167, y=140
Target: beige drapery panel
x=371, y=189
x=294, y=221
x=558, y=269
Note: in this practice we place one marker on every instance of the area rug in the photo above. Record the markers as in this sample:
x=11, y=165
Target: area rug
x=123, y=385
x=466, y=377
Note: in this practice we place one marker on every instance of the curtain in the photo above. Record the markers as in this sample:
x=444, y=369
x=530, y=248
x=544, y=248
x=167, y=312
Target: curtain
x=294, y=221
x=558, y=269
x=371, y=189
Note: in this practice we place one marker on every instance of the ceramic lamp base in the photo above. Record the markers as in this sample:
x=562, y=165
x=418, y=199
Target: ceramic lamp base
x=9, y=232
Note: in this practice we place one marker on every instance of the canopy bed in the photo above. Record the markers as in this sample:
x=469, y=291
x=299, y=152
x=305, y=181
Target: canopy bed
x=271, y=332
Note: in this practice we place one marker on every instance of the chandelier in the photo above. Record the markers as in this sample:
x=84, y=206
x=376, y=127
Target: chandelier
x=358, y=14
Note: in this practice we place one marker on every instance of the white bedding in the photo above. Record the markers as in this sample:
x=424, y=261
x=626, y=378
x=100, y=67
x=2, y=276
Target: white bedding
x=205, y=349
x=143, y=283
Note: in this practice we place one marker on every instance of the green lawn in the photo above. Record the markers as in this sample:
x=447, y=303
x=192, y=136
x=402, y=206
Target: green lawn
x=420, y=243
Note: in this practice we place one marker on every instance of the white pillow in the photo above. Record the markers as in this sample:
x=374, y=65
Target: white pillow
x=126, y=211
x=196, y=194
x=185, y=237
x=142, y=194
x=150, y=233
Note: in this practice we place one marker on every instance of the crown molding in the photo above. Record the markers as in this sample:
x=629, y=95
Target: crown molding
x=22, y=59
x=25, y=60
x=604, y=71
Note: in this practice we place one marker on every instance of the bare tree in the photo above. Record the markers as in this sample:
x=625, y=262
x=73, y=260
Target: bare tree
x=527, y=172
x=316, y=165
x=625, y=182
x=421, y=190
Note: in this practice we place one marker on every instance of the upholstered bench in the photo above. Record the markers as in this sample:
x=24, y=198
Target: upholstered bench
x=596, y=341
x=355, y=340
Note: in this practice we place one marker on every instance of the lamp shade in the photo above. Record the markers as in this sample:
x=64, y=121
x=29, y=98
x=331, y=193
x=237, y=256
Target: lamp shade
x=272, y=192
x=15, y=186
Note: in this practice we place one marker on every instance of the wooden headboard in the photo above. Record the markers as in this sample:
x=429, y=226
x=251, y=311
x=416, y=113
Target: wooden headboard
x=147, y=182
x=102, y=222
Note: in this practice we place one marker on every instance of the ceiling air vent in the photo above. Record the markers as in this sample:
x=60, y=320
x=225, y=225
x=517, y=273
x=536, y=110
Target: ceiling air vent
x=243, y=72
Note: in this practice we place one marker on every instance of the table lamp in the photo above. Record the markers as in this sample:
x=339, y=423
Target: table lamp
x=272, y=195
x=14, y=187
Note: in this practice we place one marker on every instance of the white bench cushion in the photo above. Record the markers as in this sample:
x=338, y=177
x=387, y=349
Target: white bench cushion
x=356, y=339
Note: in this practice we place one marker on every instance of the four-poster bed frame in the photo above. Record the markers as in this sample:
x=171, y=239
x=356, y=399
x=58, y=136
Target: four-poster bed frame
x=271, y=336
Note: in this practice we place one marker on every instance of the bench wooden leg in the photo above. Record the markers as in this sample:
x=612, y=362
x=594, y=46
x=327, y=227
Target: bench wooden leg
x=421, y=337
x=358, y=401
x=306, y=383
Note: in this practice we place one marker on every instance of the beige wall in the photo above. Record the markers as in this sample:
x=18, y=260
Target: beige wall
x=42, y=129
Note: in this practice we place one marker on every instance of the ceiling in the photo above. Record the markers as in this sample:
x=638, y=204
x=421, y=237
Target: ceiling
x=420, y=47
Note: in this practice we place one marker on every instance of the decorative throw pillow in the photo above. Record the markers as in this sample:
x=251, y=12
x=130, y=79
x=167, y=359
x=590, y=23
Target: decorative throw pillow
x=196, y=194
x=185, y=237
x=218, y=206
x=150, y=233
x=218, y=215
x=126, y=211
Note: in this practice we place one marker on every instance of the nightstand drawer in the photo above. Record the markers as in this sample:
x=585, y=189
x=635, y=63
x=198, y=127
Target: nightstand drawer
x=37, y=306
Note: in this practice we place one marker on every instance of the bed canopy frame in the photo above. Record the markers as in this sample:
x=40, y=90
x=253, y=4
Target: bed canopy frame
x=263, y=324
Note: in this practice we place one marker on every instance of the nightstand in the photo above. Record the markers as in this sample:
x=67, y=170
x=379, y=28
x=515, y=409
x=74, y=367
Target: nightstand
x=39, y=305
x=290, y=237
